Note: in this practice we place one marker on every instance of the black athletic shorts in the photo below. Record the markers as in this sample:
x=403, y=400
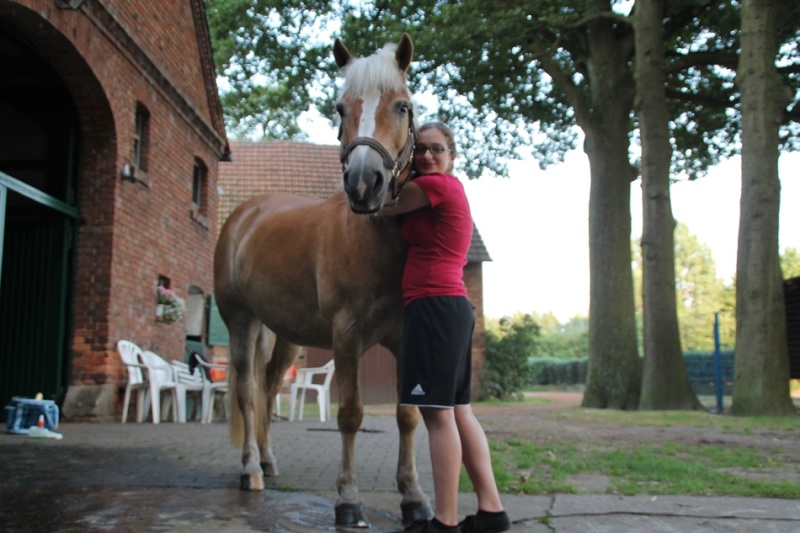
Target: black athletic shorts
x=437, y=352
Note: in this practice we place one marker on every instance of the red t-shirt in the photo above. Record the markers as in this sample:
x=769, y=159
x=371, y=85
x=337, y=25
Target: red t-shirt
x=438, y=238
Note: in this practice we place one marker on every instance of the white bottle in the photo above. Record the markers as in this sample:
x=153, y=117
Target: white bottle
x=40, y=432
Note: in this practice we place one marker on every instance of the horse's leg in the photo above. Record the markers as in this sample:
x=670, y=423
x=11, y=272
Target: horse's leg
x=415, y=505
x=347, y=349
x=261, y=358
x=243, y=335
x=283, y=355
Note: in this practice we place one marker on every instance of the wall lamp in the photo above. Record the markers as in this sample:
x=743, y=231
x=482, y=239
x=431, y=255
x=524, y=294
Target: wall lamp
x=69, y=4
x=129, y=173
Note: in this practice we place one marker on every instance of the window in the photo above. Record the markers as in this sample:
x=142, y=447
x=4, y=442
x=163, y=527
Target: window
x=161, y=288
x=200, y=194
x=141, y=137
x=163, y=281
x=199, y=179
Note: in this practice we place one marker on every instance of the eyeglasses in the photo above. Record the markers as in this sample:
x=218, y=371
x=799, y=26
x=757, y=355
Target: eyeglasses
x=436, y=149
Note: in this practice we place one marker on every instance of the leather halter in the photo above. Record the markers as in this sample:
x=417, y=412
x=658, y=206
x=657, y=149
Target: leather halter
x=395, y=166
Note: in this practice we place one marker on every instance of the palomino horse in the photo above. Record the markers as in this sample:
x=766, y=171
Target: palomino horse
x=326, y=274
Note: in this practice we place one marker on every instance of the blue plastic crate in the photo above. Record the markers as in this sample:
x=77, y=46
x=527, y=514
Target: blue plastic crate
x=23, y=413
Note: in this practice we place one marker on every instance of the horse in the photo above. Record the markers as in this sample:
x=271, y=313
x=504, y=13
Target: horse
x=326, y=273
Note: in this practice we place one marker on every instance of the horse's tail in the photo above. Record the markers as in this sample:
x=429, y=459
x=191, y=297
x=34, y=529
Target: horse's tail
x=258, y=378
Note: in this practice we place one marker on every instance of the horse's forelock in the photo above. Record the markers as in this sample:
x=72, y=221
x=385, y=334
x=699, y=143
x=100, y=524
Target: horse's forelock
x=376, y=72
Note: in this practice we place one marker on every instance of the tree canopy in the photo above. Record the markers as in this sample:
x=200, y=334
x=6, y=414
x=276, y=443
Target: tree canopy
x=274, y=61
x=506, y=74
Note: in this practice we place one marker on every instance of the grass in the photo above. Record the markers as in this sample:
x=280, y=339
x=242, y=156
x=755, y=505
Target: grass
x=698, y=419
x=525, y=466
x=524, y=401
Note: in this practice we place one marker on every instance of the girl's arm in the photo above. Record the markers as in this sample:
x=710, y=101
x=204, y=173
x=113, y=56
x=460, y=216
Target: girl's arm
x=411, y=198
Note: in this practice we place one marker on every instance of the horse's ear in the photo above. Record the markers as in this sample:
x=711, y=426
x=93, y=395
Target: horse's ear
x=404, y=52
x=341, y=53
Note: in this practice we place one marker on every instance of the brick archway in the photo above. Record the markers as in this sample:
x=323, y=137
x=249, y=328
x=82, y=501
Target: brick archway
x=53, y=79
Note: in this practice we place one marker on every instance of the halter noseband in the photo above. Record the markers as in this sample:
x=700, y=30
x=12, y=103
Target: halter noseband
x=396, y=166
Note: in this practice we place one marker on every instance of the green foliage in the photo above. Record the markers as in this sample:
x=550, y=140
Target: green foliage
x=548, y=322
x=507, y=372
x=555, y=340
x=564, y=341
x=790, y=263
x=274, y=58
x=553, y=353
x=700, y=294
x=490, y=85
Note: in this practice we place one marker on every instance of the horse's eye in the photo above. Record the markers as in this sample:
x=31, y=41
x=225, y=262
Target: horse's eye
x=404, y=109
x=340, y=110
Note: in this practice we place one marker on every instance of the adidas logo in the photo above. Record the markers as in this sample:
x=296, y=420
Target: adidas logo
x=417, y=391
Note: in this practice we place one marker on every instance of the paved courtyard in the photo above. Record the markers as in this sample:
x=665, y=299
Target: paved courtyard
x=184, y=478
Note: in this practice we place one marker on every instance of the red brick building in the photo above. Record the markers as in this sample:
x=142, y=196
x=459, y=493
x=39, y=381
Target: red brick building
x=111, y=135
x=315, y=170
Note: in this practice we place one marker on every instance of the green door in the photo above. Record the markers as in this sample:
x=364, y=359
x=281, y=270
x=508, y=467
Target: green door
x=39, y=148
x=34, y=297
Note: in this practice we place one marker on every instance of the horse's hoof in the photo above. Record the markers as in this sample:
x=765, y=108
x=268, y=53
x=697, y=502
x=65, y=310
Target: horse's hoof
x=351, y=515
x=415, y=511
x=251, y=482
x=270, y=469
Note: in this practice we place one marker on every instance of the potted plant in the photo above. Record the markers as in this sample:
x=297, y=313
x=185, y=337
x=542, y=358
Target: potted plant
x=170, y=308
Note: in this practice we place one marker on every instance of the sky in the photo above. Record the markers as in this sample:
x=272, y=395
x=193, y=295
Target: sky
x=534, y=224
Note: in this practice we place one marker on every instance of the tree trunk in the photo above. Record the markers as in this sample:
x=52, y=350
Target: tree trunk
x=761, y=373
x=665, y=382
x=614, y=374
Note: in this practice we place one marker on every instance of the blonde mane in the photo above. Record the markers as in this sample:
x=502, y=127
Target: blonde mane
x=378, y=72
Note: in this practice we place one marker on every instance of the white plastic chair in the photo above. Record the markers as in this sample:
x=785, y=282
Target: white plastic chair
x=188, y=382
x=132, y=356
x=305, y=382
x=159, y=375
x=210, y=389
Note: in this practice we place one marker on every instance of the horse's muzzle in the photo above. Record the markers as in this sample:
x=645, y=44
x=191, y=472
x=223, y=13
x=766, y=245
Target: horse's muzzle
x=365, y=182
x=365, y=211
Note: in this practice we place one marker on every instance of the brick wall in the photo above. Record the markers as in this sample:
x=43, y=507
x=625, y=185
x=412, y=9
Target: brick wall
x=473, y=279
x=113, y=56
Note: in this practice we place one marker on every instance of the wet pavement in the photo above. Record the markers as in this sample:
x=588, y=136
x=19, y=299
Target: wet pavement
x=184, y=478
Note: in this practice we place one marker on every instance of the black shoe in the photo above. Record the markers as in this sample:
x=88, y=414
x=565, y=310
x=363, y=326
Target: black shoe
x=485, y=522
x=430, y=526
